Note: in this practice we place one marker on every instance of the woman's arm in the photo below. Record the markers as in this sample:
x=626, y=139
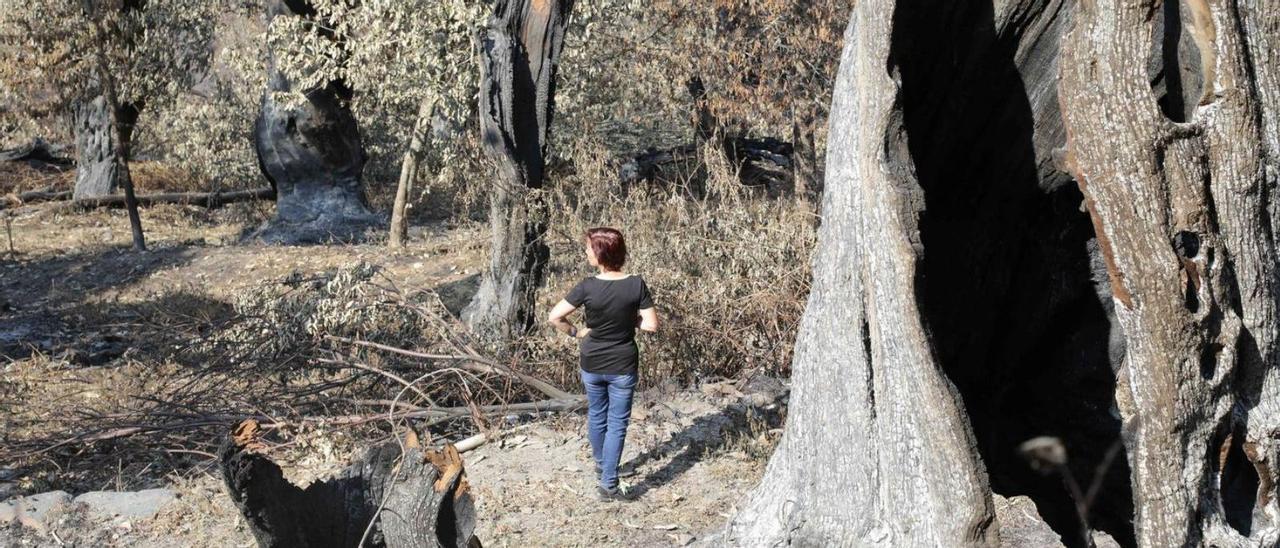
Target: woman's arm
x=558, y=321
x=649, y=320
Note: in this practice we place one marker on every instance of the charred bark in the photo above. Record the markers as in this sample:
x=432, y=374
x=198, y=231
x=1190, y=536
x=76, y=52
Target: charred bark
x=313, y=156
x=38, y=154
x=97, y=173
x=397, y=496
x=876, y=449
x=520, y=51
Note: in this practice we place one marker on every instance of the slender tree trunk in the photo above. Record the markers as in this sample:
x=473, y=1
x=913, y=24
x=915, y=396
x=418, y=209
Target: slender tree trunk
x=409, y=172
x=122, y=125
x=1186, y=212
x=521, y=49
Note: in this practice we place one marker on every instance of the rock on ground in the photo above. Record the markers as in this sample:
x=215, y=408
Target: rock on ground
x=35, y=510
x=131, y=505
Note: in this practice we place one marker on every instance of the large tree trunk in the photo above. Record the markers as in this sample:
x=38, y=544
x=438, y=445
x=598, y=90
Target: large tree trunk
x=521, y=49
x=959, y=286
x=876, y=447
x=313, y=156
x=1186, y=216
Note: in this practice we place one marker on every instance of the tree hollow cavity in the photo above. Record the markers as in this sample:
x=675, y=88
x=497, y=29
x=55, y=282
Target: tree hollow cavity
x=1180, y=41
x=1010, y=282
x=1238, y=482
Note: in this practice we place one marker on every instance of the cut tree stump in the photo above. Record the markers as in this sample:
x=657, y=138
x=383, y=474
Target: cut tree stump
x=396, y=495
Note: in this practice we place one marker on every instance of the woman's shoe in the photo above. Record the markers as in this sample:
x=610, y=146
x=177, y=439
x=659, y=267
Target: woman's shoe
x=617, y=494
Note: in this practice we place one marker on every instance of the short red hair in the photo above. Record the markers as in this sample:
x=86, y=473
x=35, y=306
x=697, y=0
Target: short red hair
x=609, y=246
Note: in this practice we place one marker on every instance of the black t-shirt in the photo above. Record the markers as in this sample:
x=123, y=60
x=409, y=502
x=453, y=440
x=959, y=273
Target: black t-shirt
x=612, y=309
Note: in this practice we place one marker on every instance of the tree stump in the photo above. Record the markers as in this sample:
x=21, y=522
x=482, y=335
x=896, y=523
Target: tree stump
x=396, y=495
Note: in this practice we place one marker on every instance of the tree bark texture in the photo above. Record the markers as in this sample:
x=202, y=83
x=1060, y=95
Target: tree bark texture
x=1186, y=215
x=395, y=496
x=313, y=155
x=960, y=304
x=876, y=449
x=520, y=51
x=1063, y=226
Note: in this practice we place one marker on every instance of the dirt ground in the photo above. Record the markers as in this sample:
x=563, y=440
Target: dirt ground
x=689, y=457
x=72, y=297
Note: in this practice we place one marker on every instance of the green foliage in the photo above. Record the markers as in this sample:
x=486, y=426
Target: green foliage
x=155, y=49
x=395, y=54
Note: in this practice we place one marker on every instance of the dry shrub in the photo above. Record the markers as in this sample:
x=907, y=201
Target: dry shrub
x=729, y=270
x=19, y=177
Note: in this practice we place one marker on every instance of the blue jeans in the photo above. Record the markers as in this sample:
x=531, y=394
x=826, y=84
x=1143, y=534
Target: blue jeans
x=608, y=412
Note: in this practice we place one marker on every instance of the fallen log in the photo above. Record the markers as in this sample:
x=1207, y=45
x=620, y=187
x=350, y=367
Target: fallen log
x=211, y=200
x=43, y=196
x=13, y=201
x=396, y=495
x=38, y=150
x=758, y=162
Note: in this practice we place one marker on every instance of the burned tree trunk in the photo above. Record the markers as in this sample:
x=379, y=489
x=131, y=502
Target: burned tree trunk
x=1185, y=212
x=955, y=307
x=521, y=49
x=876, y=448
x=1005, y=255
x=97, y=174
x=396, y=496
x=313, y=156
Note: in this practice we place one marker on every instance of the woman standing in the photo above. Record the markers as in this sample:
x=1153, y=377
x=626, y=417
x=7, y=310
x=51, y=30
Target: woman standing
x=615, y=304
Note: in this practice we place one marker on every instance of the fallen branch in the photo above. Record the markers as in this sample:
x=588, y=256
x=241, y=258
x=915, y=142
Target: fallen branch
x=470, y=362
x=210, y=200
x=34, y=196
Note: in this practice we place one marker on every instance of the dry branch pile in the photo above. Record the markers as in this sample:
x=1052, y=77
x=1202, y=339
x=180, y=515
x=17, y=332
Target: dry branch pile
x=341, y=348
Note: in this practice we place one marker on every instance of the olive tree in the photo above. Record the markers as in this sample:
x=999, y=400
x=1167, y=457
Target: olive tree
x=147, y=50
x=1062, y=226
x=405, y=68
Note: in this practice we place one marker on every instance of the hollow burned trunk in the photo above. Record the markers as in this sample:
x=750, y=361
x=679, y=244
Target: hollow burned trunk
x=97, y=174
x=520, y=51
x=312, y=154
x=396, y=496
x=962, y=302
